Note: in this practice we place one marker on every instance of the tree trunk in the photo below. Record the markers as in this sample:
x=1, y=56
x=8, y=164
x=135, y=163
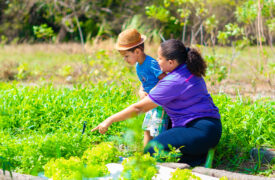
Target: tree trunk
x=183, y=32
x=259, y=27
x=270, y=40
x=61, y=34
x=80, y=31
x=201, y=34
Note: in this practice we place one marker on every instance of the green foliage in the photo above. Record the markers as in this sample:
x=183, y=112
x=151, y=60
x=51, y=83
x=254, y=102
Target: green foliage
x=222, y=37
x=231, y=31
x=157, y=12
x=223, y=178
x=268, y=8
x=247, y=13
x=211, y=23
x=133, y=136
x=272, y=67
x=67, y=18
x=92, y=163
x=183, y=174
x=216, y=72
x=40, y=123
x=103, y=153
x=65, y=21
x=73, y=169
x=4, y=40
x=173, y=15
x=43, y=31
x=139, y=167
x=138, y=22
x=64, y=169
x=236, y=36
x=271, y=24
x=180, y=18
x=171, y=156
x=246, y=124
x=23, y=71
x=66, y=70
x=5, y=165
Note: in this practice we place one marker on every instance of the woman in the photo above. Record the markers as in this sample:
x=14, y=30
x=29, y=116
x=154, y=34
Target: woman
x=196, y=125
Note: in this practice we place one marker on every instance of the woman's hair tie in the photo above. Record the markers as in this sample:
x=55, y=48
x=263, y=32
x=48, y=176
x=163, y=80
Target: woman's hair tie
x=187, y=49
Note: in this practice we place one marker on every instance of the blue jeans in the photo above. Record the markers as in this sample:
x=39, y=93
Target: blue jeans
x=197, y=137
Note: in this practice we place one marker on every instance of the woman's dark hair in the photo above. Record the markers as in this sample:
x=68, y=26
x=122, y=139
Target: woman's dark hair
x=173, y=49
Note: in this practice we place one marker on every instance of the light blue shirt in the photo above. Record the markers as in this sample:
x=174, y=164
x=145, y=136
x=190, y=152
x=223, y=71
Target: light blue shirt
x=148, y=73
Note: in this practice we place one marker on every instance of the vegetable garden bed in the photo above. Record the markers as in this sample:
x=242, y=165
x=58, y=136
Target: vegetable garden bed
x=38, y=124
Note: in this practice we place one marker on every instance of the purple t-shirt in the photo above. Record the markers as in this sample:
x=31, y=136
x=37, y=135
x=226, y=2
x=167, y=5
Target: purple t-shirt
x=184, y=97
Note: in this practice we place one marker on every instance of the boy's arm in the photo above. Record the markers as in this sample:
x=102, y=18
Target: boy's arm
x=142, y=94
x=161, y=76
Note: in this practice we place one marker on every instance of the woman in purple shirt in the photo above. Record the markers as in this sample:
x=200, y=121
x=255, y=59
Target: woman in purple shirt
x=196, y=125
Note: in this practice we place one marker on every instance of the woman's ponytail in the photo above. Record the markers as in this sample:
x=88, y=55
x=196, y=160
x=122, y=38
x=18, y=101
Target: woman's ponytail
x=175, y=50
x=195, y=63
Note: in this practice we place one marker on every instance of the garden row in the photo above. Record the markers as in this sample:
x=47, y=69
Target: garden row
x=41, y=124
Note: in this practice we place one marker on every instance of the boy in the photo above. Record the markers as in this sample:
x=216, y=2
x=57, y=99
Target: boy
x=130, y=45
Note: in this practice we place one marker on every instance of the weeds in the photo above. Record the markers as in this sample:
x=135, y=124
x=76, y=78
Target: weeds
x=246, y=124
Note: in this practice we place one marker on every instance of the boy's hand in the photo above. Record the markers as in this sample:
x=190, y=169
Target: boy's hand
x=103, y=127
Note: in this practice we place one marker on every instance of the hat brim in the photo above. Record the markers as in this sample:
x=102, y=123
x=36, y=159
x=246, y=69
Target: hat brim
x=121, y=48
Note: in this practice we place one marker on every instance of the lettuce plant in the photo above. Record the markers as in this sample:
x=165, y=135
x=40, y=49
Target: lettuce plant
x=139, y=167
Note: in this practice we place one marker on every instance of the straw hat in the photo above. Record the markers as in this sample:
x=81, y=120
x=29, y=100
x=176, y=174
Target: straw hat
x=128, y=39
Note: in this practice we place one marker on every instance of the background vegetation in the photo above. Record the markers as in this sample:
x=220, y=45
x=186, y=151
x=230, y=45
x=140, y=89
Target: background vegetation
x=208, y=22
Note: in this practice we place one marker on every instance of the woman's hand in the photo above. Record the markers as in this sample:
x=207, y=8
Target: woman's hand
x=103, y=127
x=142, y=94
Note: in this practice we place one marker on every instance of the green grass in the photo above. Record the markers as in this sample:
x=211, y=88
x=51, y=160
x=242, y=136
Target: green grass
x=49, y=63
x=246, y=124
x=40, y=123
x=46, y=62
x=247, y=63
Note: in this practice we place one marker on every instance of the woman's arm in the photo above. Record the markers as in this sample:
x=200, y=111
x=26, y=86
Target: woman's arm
x=142, y=106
